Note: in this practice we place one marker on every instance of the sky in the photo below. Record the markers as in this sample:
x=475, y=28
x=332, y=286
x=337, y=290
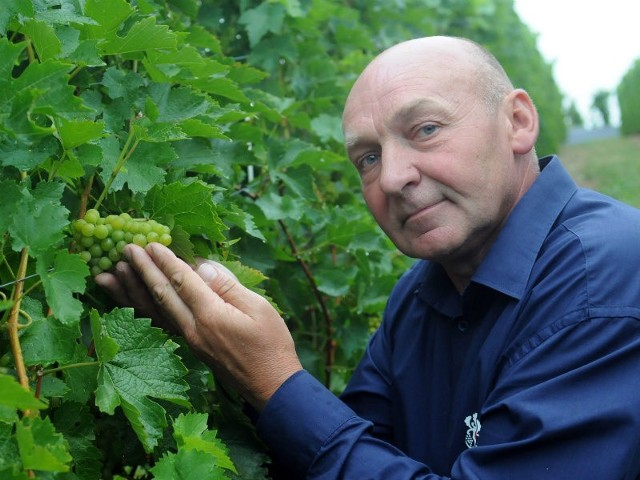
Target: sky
x=591, y=44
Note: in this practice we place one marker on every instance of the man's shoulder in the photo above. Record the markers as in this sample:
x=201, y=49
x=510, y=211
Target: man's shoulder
x=596, y=239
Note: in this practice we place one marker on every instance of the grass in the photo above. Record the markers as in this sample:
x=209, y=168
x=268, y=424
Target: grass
x=610, y=166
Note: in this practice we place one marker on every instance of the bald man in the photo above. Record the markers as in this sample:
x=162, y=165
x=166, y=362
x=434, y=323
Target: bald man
x=510, y=350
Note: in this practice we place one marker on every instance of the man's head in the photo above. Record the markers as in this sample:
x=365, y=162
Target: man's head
x=444, y=147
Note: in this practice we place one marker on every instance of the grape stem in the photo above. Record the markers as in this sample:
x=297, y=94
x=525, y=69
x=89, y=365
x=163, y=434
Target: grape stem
x=14, y=324
x=125, y=154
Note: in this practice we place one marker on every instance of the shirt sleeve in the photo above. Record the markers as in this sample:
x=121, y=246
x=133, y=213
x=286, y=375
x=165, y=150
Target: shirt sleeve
x=317, y=436
x=563, y=408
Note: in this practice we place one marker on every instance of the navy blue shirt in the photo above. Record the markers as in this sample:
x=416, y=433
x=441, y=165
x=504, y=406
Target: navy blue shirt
x=532, y=373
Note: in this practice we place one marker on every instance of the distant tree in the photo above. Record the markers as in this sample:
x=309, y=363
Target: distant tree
x=601, y=105
x=572, y=116
x=629, y=100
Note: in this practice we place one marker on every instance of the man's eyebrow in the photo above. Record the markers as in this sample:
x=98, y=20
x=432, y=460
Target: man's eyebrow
x=416, y=107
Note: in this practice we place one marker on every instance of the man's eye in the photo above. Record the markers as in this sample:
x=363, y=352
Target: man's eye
x=368, y=160
x=429, y=129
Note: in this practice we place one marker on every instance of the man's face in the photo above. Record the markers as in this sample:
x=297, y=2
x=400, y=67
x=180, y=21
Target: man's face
x=437, y=169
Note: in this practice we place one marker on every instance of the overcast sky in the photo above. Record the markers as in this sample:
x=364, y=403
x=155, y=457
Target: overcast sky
x=591, y=43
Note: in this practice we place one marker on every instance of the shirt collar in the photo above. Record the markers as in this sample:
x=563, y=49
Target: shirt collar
x=508, y=264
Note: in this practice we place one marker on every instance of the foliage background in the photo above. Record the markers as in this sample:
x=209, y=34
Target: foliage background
x=628, y=94
x=221, y=119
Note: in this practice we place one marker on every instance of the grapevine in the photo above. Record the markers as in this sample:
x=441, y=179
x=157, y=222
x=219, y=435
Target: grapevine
x=101, y=240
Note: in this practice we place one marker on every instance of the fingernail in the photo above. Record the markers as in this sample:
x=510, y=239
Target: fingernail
x=207, y=272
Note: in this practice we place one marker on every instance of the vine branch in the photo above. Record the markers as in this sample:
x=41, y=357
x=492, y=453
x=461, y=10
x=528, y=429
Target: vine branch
x=14, y=323
x=328, y=320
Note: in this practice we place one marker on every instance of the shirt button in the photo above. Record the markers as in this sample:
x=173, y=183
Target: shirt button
x=463, y=325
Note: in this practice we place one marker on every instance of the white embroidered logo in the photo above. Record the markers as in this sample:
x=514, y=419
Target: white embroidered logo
x=473, y=432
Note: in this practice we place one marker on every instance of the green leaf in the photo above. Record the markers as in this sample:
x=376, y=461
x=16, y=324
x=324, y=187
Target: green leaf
x=9, y=200
x=44, y=39
x=11, y=8
x=73, y=133
x=42, y=219
x=143, y=170
x=15, y=396
x=60, y=284
x=190, y=206
x=187, y=465
x=276, y=207
x=143, y=35
x=76, y=422
x=45, y=85
x=143, y=367
x=265, y=18
x=25, y=155
x=41, y=447
x=10, y=466
x=82, y=381
x=191, y=432
x=47, y=340
x=108, y=14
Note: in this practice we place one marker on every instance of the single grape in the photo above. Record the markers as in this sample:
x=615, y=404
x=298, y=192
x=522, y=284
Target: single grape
x=117, y=235
x=117, y=222
x=86, y=242
x=85, y=255
x=107, y=244
x=104, y=263
x=88, y=229
x=152, y=237
x=101, y=232
x=95, y=250
x=92, y=216
x=128, y=237
x=114, y=255
x=96, y=270
x=144, y=228
x=120, y=246
x=165, y=239
x=140, y=240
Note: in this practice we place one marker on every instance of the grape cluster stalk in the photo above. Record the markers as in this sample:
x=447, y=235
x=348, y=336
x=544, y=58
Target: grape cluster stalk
x=101, y=240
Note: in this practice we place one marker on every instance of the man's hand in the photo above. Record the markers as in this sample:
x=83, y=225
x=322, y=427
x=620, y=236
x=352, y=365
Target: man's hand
x=234, y=330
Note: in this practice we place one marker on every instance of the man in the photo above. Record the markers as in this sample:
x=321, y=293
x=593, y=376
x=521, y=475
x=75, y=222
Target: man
x=510, y=351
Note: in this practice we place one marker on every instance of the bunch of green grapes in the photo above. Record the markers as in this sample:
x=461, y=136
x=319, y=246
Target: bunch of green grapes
x=100, y=240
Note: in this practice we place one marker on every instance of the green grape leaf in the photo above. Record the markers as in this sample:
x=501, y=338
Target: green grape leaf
x=73, y=133
x=143, y=35
x=44, y=39
x=11, y=8
x=143, y=367
x=25, y=155
x=66, y=278
x=190, y=206
x=10, y=465
x=43, y=88
x=143, y=170
x=9, y=200
x=108, y=14
x=265, y=18
x=75, y=421
x=41, y=447
x=191, y=432
x=42, y=219
x=82, y=382
x=47, y=340
x=14, y=396
x=187, y=465
x=276, y=207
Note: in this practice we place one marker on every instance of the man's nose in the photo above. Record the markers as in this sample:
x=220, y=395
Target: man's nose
x=399, y=169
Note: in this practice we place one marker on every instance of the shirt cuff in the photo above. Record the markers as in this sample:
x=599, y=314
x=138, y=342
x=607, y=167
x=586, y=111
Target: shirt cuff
x=299, y=419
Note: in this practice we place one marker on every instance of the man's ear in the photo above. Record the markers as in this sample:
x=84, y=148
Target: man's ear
x=523, y=119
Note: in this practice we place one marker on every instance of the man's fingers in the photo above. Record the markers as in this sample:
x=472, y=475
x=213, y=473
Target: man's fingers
x=228, y=288
x=158, y=278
